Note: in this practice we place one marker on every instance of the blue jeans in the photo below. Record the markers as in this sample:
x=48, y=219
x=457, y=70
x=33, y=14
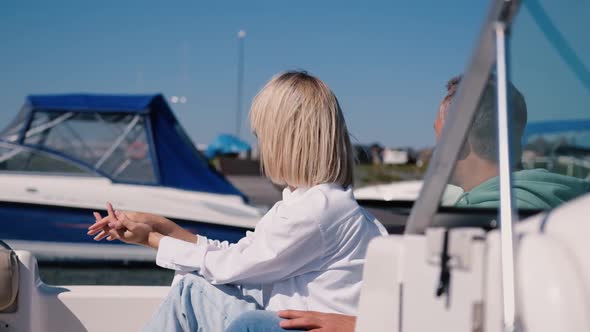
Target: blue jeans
x=257, y=321
x=194, y=304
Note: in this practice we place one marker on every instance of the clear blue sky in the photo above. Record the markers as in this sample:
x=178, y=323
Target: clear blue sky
x=387, y=61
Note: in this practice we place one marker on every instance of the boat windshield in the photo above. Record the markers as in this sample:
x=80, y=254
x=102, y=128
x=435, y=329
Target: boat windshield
x=549, y=97
x=114, y=144
x=15, y=158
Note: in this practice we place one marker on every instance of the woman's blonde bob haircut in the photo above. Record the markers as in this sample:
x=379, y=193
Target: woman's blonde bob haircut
x=301, y=132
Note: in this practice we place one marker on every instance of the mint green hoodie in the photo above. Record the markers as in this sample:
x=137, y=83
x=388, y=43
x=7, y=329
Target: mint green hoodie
x=533, y=189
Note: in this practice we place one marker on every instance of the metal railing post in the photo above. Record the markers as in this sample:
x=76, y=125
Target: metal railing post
x=506, y=212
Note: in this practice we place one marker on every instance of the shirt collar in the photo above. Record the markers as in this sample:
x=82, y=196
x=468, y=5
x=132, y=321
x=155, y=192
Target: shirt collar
x=288, y=194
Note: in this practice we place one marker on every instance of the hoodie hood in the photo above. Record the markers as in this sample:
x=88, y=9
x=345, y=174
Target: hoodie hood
x=532, y=189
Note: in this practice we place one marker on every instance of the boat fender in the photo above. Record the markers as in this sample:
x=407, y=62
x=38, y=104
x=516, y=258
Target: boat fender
x=9, y=279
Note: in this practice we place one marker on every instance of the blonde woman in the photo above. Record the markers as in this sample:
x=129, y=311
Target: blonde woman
x=306, y=253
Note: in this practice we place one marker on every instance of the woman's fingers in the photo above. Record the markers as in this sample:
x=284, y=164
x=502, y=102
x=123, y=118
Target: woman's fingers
x=95, y=231
x=290, y=314
x=115, y=234
x=93, y=227
x=99, y=224
x=120, y=234
x=111, y=211
x=125, y=222
x=100, y=236
x=297, y=319
x=108, y=227
x=306, y=323
x=118, y=224
x=112, y=227
x=103, y=222
x=116, y=216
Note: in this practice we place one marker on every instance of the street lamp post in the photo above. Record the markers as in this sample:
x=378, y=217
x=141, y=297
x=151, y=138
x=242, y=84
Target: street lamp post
x=241, y=37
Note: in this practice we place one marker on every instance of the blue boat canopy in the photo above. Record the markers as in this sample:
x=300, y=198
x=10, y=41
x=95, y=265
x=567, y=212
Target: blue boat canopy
x=226, y=144
x=127, y=138
x=93, y=103
x=574, y=132
x=557, y=126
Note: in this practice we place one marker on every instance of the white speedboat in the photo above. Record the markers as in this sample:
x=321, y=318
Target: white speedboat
x=394, y=191
x=64, y=156
x=403, y=191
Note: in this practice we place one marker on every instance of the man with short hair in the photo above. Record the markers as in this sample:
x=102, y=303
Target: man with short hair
x=480, y=150
x=476, y=169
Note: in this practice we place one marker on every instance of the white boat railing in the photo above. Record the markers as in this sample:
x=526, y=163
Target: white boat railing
x=572, y=164
x=507, y=209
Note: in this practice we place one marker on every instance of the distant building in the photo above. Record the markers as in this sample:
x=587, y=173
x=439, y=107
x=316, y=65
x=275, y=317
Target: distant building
x=395, y=156
x=398, y=156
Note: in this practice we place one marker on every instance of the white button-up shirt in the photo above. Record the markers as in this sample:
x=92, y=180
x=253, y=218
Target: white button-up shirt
x=308, y=252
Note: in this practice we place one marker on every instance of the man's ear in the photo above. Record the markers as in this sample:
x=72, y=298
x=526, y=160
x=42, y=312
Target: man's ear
x=465, y=150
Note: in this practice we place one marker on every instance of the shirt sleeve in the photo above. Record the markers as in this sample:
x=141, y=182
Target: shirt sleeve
x=178, y=255
x=279, y=248
x=215, y=243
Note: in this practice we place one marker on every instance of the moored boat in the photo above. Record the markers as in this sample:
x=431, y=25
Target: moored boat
x=64, y=156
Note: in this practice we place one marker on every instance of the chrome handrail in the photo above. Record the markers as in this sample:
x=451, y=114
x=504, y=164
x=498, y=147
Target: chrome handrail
x=506, y=212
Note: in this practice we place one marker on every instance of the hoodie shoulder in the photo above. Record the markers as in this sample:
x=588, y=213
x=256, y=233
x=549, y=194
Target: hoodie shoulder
x=533, y=189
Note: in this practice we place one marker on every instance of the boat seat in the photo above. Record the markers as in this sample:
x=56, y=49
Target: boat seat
x=450, y=278
x=46, y=308
x=9, y=278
